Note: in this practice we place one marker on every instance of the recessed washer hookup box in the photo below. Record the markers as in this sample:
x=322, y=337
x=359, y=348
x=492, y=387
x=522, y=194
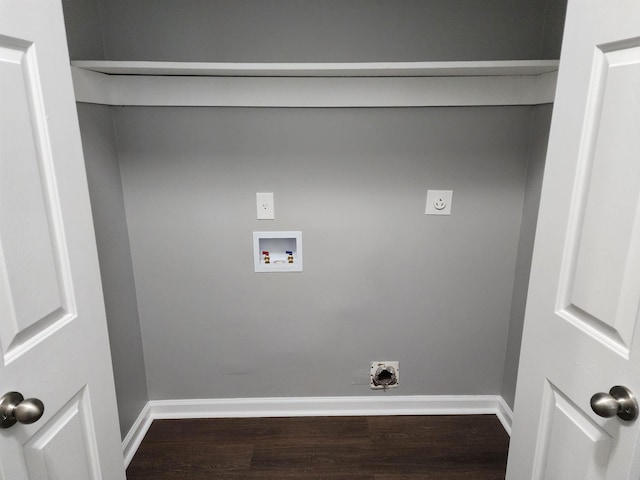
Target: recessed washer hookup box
x=277, y=251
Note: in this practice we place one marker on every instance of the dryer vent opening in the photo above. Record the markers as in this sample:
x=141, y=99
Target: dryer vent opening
x=384, y=375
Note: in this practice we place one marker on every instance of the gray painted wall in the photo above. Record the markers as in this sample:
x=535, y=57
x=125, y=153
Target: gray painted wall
x=328, y=30
x=533, y=188
x=84, y=23
x=553, y=28
x=382, y=281
x=351, y=180
x=114, y=253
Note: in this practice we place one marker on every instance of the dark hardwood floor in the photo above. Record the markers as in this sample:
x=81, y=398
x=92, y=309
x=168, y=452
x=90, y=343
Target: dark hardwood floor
x=470, y=447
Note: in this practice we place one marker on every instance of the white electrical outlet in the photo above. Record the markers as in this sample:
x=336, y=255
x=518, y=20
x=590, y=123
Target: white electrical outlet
x=439, y=202
x=265, y=206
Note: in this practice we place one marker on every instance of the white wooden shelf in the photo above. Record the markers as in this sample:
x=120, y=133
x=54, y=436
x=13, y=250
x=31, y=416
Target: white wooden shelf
x=377, y=69
x=393, y=84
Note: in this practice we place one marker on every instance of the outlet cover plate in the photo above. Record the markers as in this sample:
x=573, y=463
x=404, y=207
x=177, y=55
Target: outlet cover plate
x=439, y=202
x=265, y=206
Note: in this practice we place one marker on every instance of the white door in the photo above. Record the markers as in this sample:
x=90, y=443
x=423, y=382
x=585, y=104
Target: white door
x=581, y=334
x=53, y=338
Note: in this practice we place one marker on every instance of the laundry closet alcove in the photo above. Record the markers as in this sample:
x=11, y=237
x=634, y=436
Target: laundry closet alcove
x=187, y=109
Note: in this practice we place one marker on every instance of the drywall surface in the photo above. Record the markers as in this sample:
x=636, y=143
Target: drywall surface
x=533, y=188
x=381, y=280
x=324, y=31
x=83, y=23
x=553, y=28
x=105, y=189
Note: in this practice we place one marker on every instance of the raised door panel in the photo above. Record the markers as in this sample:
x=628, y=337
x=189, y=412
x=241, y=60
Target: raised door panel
x=35, y=292
x=571, y=444
x=600, y=293
x=69, y=434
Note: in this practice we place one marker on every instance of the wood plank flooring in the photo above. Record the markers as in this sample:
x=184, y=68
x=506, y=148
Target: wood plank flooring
x=470, y=447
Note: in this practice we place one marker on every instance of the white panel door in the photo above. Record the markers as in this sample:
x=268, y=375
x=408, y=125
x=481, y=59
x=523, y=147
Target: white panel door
x=53, y=338
x=581, y=334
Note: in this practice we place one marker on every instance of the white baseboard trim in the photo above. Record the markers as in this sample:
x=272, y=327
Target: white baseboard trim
x=505, y=415
x=324, y=406
x=136, y=433
x=313, y=407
